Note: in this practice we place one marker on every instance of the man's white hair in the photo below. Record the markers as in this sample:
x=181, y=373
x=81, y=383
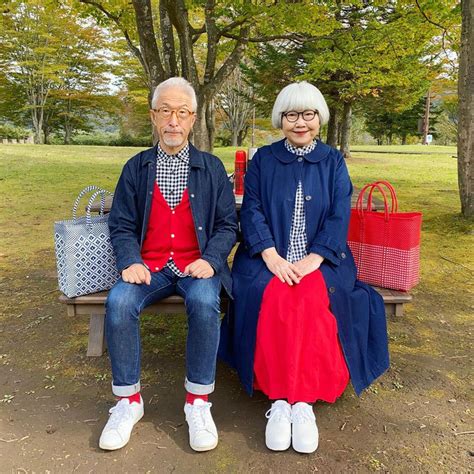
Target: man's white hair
x=299, y=96
x=178, y=82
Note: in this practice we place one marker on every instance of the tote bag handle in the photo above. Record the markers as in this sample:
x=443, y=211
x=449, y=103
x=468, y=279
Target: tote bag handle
x=86, y=190
x=359, y=205
x=102, y=193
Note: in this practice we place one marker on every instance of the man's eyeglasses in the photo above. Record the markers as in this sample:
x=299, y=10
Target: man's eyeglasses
x=166, y=113
x=293, y=116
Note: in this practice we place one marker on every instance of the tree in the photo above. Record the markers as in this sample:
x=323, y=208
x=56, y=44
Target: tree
x=376, y=48
x=56, y=61
x=382, y=123
x=236, y=100
x=466, y=110
x=217, y=32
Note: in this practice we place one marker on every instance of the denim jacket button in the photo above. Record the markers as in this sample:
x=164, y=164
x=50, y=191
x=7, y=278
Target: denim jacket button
x=332, y=290
x=150, y=193
x=343, y=255
x=192, y=195
x=308, y=198
x=300, y=159
x=199, y=228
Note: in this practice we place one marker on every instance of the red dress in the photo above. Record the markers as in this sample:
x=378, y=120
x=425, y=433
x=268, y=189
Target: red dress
x=298, y=356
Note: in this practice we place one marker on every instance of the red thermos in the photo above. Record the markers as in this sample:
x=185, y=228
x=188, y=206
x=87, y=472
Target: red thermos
x=240, y=169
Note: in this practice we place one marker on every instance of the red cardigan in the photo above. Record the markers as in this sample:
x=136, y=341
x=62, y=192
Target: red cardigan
x=170, y=233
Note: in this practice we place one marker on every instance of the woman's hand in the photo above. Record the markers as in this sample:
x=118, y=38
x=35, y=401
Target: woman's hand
x=281, y=268
x=309, y=264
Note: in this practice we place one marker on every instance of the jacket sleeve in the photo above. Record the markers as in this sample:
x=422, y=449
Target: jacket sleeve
x=123, y=222
x=255, y=230
x=330, y=241
x=224, y=233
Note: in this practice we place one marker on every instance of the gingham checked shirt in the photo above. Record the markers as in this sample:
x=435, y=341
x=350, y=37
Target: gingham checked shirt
x=172, y=178
x=298, y=240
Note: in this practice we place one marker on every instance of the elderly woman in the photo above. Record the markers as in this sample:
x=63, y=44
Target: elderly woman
x=301, y=324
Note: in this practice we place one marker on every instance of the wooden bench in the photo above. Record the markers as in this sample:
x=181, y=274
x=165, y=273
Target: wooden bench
x=93, y=306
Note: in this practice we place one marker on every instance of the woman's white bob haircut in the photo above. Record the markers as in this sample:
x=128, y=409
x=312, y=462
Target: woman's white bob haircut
x=299, y=96
x=175, y=82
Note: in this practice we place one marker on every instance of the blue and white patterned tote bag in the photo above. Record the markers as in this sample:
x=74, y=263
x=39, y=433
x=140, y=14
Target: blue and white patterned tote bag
x=84, y=254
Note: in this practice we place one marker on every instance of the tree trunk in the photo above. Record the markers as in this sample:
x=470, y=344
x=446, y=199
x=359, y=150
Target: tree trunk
x=67, y=133
x=466, y=109
x=331, y=139
x=67, y=124
x=235, y=138
x=346, y=129
x=200, y=136
x=404, y=139
x=46, y=133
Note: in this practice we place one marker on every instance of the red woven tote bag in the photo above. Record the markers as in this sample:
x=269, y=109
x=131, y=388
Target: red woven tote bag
x=385, y=245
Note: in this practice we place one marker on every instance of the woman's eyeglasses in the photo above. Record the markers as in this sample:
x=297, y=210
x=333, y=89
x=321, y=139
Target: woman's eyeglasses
x=293, y=116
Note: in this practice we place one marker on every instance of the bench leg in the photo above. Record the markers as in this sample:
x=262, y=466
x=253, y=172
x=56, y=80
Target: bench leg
x=399, y=310
x=96, y=342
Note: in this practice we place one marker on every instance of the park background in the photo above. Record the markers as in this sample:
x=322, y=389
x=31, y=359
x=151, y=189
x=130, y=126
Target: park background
x=75, y=80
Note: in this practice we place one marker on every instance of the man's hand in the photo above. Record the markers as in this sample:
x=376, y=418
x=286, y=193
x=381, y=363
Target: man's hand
x=284, y=270
x=309, y=264
x=199, y=269
x=137, y=273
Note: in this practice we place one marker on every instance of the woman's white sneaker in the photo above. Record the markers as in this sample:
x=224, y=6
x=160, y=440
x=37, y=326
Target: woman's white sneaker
x=202, y=429
x=278, y=430
x=305, y=435
x=118, y=429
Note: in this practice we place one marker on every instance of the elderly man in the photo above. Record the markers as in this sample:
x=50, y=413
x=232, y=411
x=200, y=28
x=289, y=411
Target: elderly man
x=172, y=224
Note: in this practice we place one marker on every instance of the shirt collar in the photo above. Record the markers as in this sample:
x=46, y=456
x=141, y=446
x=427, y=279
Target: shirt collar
x=182, y=154
x=300, y=150
x=320, y=152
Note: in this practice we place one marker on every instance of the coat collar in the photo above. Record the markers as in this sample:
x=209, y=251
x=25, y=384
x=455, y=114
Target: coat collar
x=279, y=150
x=196, y=158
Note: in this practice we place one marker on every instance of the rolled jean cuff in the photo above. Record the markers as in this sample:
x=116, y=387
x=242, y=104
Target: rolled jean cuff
x=126, y=390
x=197, y=388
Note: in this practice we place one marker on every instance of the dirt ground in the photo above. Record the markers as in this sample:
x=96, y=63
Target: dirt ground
x=54, y=400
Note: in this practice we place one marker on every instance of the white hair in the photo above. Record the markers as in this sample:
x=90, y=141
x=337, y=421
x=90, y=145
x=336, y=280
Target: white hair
x=299, y=96
x=178, y=82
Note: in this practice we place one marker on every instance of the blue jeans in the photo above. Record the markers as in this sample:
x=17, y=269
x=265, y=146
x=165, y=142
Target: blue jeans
x=122, y=326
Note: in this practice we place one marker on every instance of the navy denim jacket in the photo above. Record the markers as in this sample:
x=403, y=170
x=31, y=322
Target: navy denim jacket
x=212, y=206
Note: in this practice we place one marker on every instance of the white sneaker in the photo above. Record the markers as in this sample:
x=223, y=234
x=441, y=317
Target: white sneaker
x=278, y=430
x=123, y=417
x=202, y=429
x=305, y=432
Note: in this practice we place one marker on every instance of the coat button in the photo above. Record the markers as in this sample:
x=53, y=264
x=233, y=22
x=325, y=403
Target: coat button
x=172, y=236
x=343, y=255
x=308, y=198
x=300, y=159
x=157, y=268
x=332, y=290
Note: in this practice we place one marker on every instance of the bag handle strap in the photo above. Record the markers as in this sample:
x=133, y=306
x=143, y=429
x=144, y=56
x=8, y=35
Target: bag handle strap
x=359, y=205
x=86, y=190
x=393, y=195
x=102, y=193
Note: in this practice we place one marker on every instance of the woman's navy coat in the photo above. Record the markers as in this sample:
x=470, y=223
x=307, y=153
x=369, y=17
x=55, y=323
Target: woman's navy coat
x=266, y=215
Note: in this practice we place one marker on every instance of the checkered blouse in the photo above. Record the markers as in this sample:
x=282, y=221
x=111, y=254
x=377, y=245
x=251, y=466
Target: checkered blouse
x=172, y=178
x=298, y=240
